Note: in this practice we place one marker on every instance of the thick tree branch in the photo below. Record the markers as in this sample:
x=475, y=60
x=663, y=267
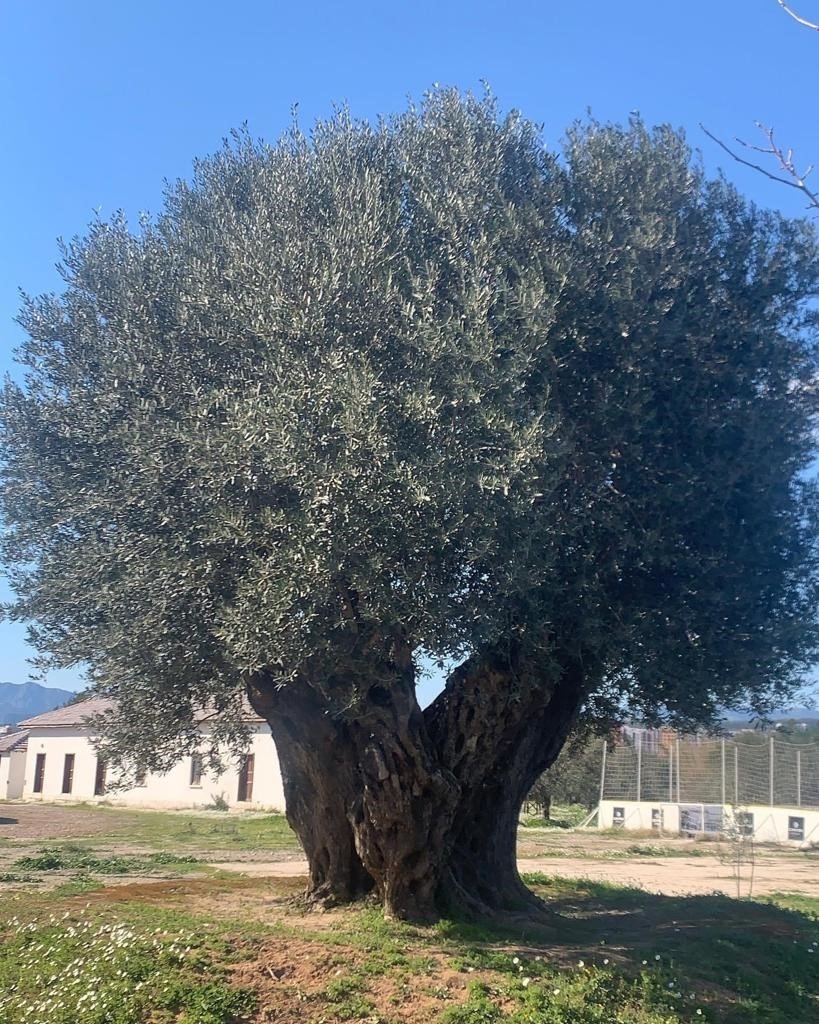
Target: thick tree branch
x=797, y=17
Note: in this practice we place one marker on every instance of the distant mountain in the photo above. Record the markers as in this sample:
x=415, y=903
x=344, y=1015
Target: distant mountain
x=24, y=700
x=734, y=721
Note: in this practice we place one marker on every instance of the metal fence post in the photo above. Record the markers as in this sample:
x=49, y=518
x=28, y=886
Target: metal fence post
x=798, y=778
x=670, y=774
x=677, y=744
x=603, y=774
x=722, y=763
x=736, y=773
x=639, y=766
x=771, y=772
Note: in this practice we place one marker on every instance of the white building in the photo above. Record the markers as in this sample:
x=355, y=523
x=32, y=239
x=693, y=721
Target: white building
x=793, y=826
x=59, y=762
x=12, y=764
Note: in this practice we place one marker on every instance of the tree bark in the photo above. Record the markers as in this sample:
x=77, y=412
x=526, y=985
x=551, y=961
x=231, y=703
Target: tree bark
x=364, y=791
x=498, y=725
x=402, y=818
x=319, y=779
x=421, y=807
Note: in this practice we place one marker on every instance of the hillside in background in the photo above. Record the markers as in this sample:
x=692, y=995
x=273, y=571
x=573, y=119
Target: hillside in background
x=22, y=700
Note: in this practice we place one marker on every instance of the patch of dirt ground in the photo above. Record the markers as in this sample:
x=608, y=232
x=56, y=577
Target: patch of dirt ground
x=36, y=822
x=690, y=868
x=668, y=876
x=297, y=980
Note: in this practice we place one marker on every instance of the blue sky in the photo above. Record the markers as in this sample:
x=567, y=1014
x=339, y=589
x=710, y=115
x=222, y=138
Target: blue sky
x=100, y=101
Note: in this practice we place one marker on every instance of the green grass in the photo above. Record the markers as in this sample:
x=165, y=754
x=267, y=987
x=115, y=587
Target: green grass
x=77, y=970
x=611, y=955
x=808, y=906
x=561, y=816
x=175, y=831
x=71, y=857
x=766, y=952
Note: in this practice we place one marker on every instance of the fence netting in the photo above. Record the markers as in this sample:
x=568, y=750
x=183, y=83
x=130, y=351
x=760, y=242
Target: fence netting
x=738, y=771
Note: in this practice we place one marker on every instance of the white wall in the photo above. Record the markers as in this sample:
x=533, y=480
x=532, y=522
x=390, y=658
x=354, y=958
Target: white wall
x=639, y=816
x=12, y=774
x=170, y=789
x=5, y=764
x=770, y=823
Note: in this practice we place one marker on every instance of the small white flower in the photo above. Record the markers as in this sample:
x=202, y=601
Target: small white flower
x=515, y=959
x=581, y=963
x=605, y=960
x=556, y=991
x=525, y=981
x=656, y=956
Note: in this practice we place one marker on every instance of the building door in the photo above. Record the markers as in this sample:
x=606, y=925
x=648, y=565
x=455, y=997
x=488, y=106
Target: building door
x=39, y=773
x=68, y=773
x=245, y=793
x=99, y=778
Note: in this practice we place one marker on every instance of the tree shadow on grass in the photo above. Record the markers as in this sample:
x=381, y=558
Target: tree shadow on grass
x=757, y=961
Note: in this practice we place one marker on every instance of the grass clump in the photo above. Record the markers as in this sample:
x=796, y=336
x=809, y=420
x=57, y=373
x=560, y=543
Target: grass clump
x=70, y=857
x=561, y=816
x=78, y=970
x=478, y=1008
x=346, y=998
x=174, y=831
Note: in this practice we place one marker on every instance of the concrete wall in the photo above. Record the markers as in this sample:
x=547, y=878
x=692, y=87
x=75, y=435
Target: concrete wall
x=5, y=764
x=170, y=789
x=770, y=824
x=12, y=774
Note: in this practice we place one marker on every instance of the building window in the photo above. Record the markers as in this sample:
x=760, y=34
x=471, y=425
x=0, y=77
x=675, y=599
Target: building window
x=99, y=777
x=618, y=817
x=796, y=828
x=68, y=773
x=197, y=768
x=39, y=773
x=657, y=818
x=745, y=823
x=245, y=792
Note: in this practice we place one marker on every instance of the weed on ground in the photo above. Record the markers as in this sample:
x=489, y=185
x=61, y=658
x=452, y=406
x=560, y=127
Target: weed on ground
x=230, y=950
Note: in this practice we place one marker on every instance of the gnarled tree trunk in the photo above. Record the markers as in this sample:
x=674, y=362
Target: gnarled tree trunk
x=498, y=726
x=365, y=792
x=403, y=816
x=421, y=807
x=320, y=786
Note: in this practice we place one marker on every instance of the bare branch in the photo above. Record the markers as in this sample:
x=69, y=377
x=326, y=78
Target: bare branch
x=796, y=17
x=790, y=176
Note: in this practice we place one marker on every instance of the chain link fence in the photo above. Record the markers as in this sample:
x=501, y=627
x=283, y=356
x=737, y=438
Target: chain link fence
x=736, y=772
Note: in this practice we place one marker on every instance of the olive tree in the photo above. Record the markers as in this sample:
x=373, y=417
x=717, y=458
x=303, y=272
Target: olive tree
x=422, y=388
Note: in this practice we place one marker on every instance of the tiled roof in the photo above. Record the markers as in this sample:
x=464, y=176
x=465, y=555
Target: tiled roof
x=12, y=740
x=77, y=714
x=71, y=714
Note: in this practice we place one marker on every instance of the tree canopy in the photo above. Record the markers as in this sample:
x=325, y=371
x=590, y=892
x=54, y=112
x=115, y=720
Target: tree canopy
x=419, y=386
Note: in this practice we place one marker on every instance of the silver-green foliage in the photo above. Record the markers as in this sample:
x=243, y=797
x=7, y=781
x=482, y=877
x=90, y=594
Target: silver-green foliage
x=427, y=376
